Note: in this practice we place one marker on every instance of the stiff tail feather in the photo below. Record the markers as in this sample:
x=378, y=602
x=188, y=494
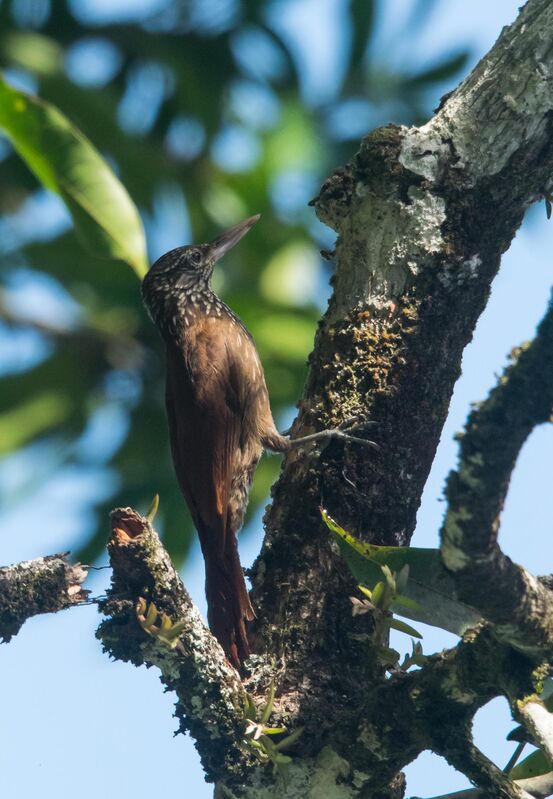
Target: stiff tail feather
x=228, y=603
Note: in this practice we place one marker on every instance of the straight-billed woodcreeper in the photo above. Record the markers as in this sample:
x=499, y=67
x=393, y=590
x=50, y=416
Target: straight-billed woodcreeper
x=219, y=419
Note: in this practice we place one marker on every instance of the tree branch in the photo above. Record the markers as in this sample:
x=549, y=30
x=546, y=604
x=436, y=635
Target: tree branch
x=495, y=433
x=43, y=585
x=467, y=759
x=423, y=216
x=210, y=696
x=520, y=606
x=427, y=708
x=539, y=721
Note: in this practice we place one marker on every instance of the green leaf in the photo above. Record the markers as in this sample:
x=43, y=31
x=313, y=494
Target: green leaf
x=387, y=572
x=402, y=578
x=33, y=51
x=377, y=593
x=403, y=627
x=429, y=586
x=152, y=510
x=295, y=143
x=265, y=716
x=65, y=162
x=290, y=739
x=399, y=599
x=250, y=710
x=368, y=593
x=532, y=766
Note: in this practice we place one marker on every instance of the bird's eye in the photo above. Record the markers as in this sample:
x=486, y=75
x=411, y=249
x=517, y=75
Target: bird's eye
x=195, y=257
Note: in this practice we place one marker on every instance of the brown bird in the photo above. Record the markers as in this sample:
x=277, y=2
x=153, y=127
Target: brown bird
x=219, y=419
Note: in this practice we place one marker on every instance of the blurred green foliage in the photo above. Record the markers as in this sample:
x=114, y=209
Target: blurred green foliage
x=201, y=109
x=66, y=163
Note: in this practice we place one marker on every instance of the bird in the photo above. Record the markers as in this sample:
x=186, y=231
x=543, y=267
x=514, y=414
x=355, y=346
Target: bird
x=219, y=419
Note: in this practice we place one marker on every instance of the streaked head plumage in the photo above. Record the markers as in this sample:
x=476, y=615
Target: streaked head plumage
x=184, y=273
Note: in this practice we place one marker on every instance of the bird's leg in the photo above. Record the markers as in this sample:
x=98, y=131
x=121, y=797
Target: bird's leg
x=281, y=442
x=342, y=432
x=326, y=435
x=354, y=423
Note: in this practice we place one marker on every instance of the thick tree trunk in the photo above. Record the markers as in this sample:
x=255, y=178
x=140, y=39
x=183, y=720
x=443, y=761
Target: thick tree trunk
x=423, y=216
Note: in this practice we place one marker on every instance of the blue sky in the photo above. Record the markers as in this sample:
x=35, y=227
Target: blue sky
x=74, y=722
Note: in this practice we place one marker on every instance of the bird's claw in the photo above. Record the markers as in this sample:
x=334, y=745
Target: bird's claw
x=325, y=435
x=345, y=435
x=355, y=423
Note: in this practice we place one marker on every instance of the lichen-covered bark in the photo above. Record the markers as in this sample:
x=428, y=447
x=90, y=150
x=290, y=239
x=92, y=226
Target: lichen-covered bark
x=422, y=216
x=423, y=709
x=210, y=696
x=391, y=723
x=43, y=585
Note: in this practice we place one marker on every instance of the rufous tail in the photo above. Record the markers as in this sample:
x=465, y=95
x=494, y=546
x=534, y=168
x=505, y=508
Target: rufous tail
x=228, y=603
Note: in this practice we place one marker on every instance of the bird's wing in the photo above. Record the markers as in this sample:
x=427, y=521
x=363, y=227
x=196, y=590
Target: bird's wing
x=208, y=395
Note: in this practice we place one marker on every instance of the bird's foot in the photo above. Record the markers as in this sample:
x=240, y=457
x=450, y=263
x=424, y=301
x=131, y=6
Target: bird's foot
x=343, y=433
x=354, y=423
x=349, y=424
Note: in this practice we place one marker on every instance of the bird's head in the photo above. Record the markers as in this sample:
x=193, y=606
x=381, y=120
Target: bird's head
x=189, y=269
